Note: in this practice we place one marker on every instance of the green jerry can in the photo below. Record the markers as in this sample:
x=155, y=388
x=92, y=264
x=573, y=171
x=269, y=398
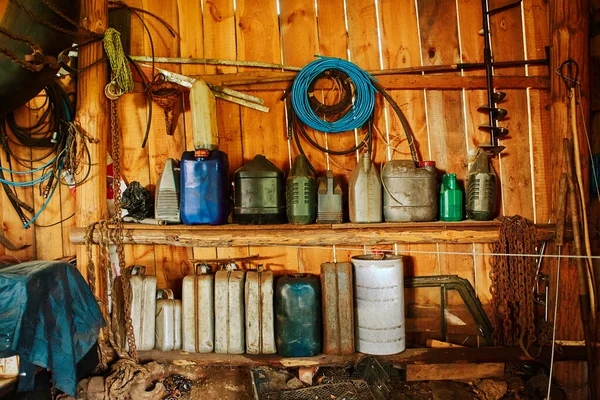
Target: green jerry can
x=301, y=193
x=451, y=199
x=259, y=193
x=298, y=315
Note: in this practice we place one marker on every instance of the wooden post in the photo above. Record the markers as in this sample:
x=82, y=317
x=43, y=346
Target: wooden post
x=93, y=115
x=569, y=24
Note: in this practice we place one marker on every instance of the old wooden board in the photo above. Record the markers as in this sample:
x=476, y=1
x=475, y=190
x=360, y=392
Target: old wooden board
x=409, y=356
x=468, y=371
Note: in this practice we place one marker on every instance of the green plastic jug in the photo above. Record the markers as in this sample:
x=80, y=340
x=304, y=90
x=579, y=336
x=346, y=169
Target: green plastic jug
x=301, y=193
x=451, y=199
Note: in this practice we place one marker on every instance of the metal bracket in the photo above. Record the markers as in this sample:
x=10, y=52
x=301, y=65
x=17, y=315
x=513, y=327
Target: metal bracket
x=466, y=292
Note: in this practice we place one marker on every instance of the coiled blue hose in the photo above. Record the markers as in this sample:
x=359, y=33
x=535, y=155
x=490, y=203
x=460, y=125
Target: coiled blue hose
x=364, y=97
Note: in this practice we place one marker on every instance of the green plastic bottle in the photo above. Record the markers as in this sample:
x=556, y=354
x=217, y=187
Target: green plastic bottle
x=301, y=193
x=451, y=199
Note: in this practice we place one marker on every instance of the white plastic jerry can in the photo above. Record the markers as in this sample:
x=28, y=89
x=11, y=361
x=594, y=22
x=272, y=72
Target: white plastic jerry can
x=229, y=310
x=260, y=328
x=198, y=318
x=142, y=296
x=168, y=321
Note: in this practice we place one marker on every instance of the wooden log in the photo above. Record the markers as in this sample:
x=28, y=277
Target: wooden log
x=93, y=116
x=311, y=235
x=436, y=372
x=441, y=345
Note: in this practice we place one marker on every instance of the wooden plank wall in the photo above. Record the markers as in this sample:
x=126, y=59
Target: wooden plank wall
x=373, y=34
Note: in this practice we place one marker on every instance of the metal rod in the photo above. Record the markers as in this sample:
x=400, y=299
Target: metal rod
x=488, y=59
x=235, y=93
x=241, y=102
x=213, y=61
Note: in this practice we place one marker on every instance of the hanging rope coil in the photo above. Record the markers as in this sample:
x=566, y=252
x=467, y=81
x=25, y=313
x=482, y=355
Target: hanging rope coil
x=355, y=116
x=118, y=61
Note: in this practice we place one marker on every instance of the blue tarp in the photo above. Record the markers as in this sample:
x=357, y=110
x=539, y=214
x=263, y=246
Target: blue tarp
x=49, y=317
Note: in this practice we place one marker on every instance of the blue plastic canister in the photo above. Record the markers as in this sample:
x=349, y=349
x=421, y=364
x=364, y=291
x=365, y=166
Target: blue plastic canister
x=298, y=315
x=204, y=188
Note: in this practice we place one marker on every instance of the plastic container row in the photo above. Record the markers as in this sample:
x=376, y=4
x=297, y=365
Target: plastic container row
x=263, y=195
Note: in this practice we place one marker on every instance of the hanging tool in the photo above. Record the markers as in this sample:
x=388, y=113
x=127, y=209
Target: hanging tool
x=569, y=72
x=585, y=302
x=559, y=242
x=494, y=113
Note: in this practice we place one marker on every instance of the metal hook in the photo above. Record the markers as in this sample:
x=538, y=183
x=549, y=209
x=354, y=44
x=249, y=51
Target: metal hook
x=569, y=72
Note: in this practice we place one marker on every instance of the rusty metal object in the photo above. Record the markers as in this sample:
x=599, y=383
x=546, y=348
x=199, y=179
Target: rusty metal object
x=166, y=94
x=9, y=245
x=338, y=308
x=512, y=280
x=18, y=84
x=260, y=325
x=467, y=294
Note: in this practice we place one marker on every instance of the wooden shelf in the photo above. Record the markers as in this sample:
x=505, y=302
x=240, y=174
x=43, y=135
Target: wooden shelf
x=312, y=235
x=409, y=356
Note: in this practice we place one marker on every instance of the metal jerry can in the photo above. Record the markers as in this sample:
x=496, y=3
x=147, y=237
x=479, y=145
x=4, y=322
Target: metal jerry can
x=409, y=192
x=298, y=315
x=168, y=321
x=260, y=328
x=229, y=310
x=198, y=319
x=142, y=299
x=338, y=308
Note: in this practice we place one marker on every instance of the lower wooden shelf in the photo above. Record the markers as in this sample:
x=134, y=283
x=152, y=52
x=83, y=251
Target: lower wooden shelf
x=409, y=356
x=312, y=235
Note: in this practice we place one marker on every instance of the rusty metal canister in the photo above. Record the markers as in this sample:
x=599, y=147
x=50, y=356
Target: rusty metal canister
x=229, y=310
x=142, y=300
x=409, y=192
x=338, y=308
x=379, y=298
x=168, y=321
x=260, y=328
x=198, y=319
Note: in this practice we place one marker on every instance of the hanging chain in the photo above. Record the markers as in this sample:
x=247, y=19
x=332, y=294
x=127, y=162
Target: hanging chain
x=118, y=222
x=513, y=280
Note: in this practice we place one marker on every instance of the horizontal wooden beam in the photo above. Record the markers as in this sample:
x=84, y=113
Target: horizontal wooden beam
x=312, y=235
x=409, y=356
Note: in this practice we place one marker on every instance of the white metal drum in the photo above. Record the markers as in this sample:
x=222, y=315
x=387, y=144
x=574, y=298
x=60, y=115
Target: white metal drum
x=260, y=328
x=379, y=302
x=198, y=317
x=229, y=311
x=168, y=321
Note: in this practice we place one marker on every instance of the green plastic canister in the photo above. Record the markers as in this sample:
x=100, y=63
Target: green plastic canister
x=301, y=193
x=451, y=199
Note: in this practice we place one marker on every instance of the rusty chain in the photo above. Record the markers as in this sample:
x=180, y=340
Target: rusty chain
x=41, y=20
x=118, y=222
x=512, y=282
